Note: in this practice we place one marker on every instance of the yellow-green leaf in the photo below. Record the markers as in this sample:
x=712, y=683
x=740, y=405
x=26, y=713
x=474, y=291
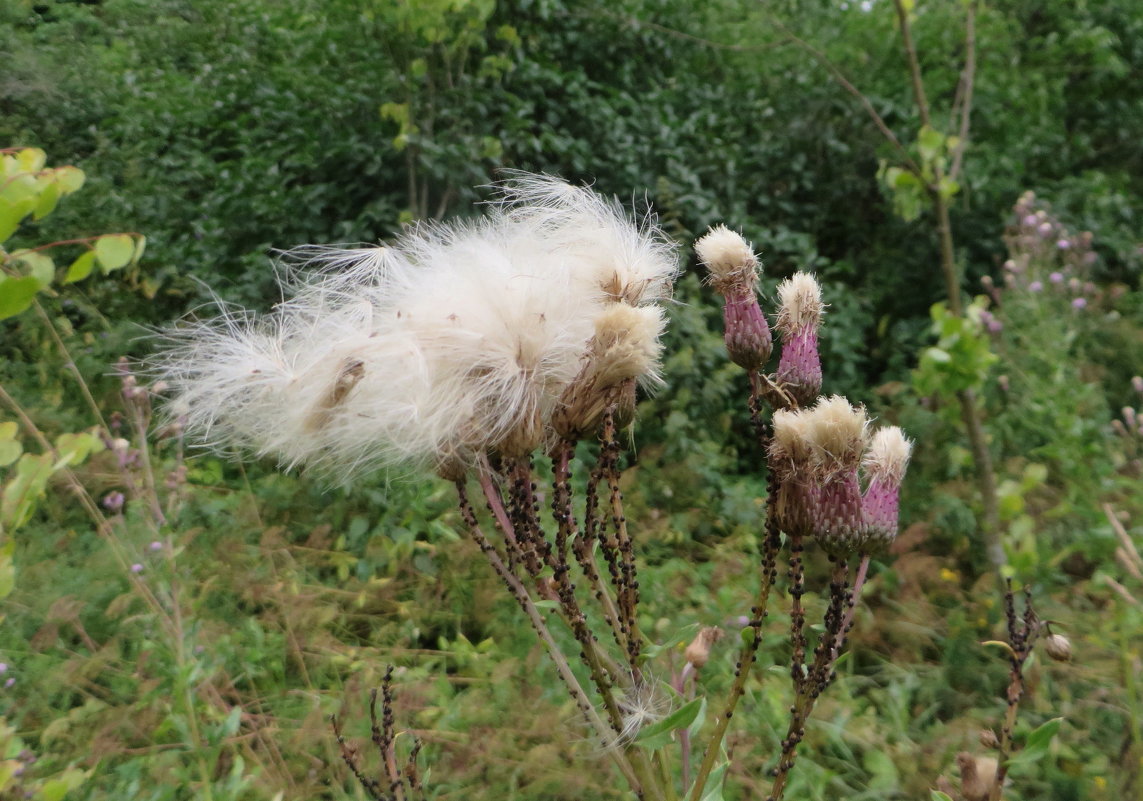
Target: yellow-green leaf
x=10, y=447
x=140, y=246
x=7, y=569
x=24, y=489
x=80, y=268
x=114, y=251
x=20, y=188
x=46, y=203
x=10, y=216
x=16, y=294
x=31, y=159
x=40, y=265
x=69, y=178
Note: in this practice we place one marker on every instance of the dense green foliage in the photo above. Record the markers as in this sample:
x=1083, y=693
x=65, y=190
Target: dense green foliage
x=222, y=129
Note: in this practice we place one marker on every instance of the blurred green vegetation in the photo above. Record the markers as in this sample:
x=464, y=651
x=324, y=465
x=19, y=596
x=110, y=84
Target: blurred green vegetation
x=263, y=603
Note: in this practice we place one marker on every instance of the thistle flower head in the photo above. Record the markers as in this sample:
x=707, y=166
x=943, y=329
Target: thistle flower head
x=729, y=258
x=800, y=304
x=887, y=457
x=456, y=340
x=837, y=434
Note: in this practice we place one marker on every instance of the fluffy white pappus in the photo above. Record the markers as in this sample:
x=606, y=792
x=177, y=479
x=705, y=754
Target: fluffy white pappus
x=837, y=434
x=629, y=260
x=887, y=457
x=800, y=303
x=454, y=341
x=729, y=258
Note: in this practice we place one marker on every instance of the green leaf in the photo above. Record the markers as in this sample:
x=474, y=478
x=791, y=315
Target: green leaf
x=74, y=448
x=140, y=246
x=7, y=569
x=114, y=251
x=679, y=719
x=16, y=294
x=712, y=791
x=10, y=215
x=24, y=489
x=1038, y=742
x=70, y=179
x=20, y=189
x=10, y=447
x=46, y=203
x=700, y=718
x=937, y=795
x=80, y=268
x=31, y=159
x=40, y=265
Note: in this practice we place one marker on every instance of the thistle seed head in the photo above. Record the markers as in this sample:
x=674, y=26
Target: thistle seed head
x=730, y=260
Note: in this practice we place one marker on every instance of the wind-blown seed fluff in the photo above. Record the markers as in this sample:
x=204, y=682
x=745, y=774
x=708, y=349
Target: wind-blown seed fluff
x=887, y=457
x=455, y=340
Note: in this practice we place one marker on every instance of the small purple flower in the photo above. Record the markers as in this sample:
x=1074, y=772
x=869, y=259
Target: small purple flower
x=1137, y=383
x=1056, y=278
x=1063, y=244
x=995, y=326
x=1030, y=220
x=3, y=667
x=136, y=568
x=1036, y=286
x=9, y=683
x=1045, y=229
x=1079, y=303
x=156, y=546
x=113, y=501
x=1010, y=265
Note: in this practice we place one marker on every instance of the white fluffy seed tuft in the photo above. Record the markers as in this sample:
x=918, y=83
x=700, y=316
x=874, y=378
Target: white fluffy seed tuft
x=729, y=258
x=800, y=303
x=454, y=340
x=887, y=457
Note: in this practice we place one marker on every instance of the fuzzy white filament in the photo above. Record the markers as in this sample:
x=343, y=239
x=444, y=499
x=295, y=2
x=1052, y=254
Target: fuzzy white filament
x=453, y=341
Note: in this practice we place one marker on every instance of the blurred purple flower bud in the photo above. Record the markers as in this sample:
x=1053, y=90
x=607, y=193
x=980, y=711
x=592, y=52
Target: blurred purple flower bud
x=1079, y=303
x=1002, y=382
x=742, y=621
x=1030, y=220
x=1074, y=285
x=1036, y=286
x=1011, y=266
x=136, y=568
x=3, y=667
x=1045, y=229
x=1056, y=278
x=995, y=326
x=9, y=683
x=1089, y=257
x=1063, y=244
x=113, y=501
x=156, y=546
x=1137, y=383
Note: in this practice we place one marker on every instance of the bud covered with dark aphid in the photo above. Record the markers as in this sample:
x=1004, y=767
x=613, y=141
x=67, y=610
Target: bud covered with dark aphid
x=625, y=349
x=1058, y=647
x=733, y=271
x=789, y=460
x=799, y=317
x=884, y=466
x=837, y=435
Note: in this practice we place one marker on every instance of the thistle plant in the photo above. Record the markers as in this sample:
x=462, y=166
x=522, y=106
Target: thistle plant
x=487, y=351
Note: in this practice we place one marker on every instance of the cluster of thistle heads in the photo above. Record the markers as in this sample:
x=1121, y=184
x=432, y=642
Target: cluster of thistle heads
x=456, y=343
x=820, y=449
x=1045, y=255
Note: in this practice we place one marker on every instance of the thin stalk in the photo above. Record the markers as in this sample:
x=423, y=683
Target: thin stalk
x=520, y=594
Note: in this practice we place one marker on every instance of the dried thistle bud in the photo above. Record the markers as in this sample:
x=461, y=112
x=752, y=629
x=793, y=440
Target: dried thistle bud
x=730, y=259
x=1058, y=647
x=988, y=738
x=799, y=317
x=884, y=464
x=977, y=776
x=624, y=349
x=698, y=652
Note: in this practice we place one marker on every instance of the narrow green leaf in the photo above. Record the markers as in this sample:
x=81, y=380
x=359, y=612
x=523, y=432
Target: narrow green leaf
x=114, y=251
x=937, y=795
x=140, y=246
x=679, y=719
x=16, y=294
x=80, y=268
